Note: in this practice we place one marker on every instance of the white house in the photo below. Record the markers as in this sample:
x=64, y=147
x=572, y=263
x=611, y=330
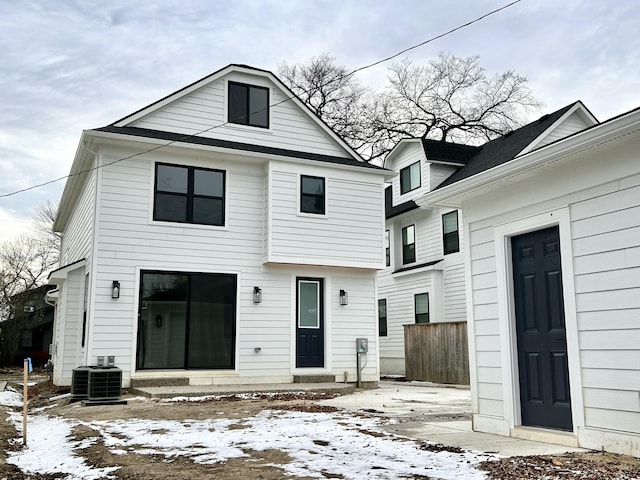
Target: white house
x=552, y=259
x=423, y=281
x=223, y=234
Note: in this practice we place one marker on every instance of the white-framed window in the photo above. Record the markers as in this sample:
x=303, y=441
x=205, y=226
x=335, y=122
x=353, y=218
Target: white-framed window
x=421, y=307
x=408, y=244
x=387, y=248
x=450, y=233
x=382, y=317
x=312, y=195
x=410, y=178
x=248, y=105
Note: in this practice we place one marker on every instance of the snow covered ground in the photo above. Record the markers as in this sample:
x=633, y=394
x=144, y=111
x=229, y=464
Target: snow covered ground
x=337, y=443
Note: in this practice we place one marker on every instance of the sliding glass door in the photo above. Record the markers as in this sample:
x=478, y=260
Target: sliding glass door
x=186, y=320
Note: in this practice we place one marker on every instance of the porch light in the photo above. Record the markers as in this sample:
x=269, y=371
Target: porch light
x=115, y=289
x=257, y=295
x=344, y=298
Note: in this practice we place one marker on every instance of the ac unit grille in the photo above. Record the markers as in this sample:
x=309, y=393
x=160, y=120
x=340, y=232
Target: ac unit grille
x=79, y=383
x=104, y=384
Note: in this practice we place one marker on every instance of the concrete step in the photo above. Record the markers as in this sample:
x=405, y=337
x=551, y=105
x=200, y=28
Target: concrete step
x=314, y=378
x=159, y=382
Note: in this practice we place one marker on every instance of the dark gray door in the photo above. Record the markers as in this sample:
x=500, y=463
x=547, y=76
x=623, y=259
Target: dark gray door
x=540, y=325
x=310, y=323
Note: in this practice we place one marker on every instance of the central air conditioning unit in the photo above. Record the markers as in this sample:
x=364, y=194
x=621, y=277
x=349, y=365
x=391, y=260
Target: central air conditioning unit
x=104, y=384
x=79, y=383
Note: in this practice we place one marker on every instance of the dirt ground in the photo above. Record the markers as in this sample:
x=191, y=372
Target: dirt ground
x=259, y=464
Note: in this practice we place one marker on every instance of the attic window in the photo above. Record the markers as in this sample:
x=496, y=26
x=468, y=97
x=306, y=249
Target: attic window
x=410, y=178
x=248, y=105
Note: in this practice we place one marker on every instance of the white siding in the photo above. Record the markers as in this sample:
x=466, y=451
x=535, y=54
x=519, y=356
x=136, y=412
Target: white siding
x=203, y=113
x=78, y=234
x=411, y=154
x=351, y=232
x=69, y=317
x=572, y=124
x=439, y=173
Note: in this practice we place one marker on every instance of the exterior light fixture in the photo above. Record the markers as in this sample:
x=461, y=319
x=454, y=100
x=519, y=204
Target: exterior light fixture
x=344, y=298
x=115, y=289
x=257, y=295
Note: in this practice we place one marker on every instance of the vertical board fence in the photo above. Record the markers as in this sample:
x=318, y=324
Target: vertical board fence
x=437, y=352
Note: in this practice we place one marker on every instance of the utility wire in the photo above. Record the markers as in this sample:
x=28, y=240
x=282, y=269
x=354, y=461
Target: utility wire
x=338, y=78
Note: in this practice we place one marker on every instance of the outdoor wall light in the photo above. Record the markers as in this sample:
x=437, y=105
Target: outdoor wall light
x=115, y=289
x=257, y=295
x=344, y=298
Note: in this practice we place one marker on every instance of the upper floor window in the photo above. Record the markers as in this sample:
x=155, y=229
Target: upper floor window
x=248, y=105
x=382, y=317
x=408, y=244
x=450, y=237
x=410, y=178
x=422, y=308
x=387, y=248
x=189, y=195
x=312, y=195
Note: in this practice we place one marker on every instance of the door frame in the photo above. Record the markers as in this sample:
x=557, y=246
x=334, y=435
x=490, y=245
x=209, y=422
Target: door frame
x=506, y=312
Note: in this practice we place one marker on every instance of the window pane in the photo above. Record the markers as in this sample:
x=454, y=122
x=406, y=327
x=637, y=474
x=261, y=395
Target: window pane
x=206, y=182
x=308, y=316
x=450, y=222
x=172, y=179
x=208, y=211
x=313, y=185
x=422, y=308
x=408, y=235
x=415, y=175
x=163, y=316
x=238, y=104
x=170, y=208
x=410, y=178
x=259, y=107
x=382, y=318
x=212, y=321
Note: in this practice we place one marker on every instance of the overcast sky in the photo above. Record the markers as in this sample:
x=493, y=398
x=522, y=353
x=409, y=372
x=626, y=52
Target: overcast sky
x=67, y=65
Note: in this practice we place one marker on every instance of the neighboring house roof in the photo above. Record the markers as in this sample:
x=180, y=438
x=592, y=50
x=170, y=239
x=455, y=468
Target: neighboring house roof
x=392, y=210
x=484, y=177
x=505, y=148
x=216, y=142
x=439, y=151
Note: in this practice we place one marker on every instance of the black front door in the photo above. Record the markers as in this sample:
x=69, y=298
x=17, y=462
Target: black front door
x=309, y=322
x=540, y=325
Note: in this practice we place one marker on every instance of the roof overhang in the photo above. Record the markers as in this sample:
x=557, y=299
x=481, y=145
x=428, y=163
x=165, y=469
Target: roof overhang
x=59, y=275
x=529, y=164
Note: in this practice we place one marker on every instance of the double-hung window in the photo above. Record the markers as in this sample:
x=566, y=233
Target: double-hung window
x=312, y=195
x=408, y=244
x=450, y=236
x=422, y=307
x=382, y=317
x=189, y=195
x=248, y=105
x=410, y=178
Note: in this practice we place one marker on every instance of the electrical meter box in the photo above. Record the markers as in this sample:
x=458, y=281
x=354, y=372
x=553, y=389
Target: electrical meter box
x=362, y=345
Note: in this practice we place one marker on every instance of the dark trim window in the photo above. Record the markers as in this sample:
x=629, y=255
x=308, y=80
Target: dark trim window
x=421, y=303
x=248, y=105
x=189, y=195
x=450, y=237
x=382, y=317
x=312, y=195
x=408, y=244
x=410, y=178
x=387, y=248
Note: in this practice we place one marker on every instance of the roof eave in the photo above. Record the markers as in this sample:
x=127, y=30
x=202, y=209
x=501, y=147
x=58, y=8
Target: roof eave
x=455, y=194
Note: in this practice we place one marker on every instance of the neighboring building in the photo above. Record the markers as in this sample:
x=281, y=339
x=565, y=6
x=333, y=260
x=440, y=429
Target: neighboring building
x=423, y=281
x=552, y=246
x=223, y=234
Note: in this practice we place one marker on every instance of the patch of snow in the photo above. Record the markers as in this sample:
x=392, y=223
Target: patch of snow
x=10, y=398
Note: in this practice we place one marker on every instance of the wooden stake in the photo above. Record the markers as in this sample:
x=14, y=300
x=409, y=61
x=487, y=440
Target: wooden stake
x=25, y=398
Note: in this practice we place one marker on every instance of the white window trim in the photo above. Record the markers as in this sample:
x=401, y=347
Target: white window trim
x=300, y=213
x=506, y=312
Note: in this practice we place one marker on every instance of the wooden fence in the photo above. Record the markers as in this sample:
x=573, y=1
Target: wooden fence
x=437, y=352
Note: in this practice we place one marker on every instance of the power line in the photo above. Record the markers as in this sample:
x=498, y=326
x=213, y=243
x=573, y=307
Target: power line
x=340, y=77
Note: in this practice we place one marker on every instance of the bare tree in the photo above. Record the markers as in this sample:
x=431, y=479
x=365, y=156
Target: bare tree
x=451, y=98
x=332, y=93
x=25, y=261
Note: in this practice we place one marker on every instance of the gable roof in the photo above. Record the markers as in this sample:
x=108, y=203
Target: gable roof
x=439, y=151
x=235, y=67
x=505, y=148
